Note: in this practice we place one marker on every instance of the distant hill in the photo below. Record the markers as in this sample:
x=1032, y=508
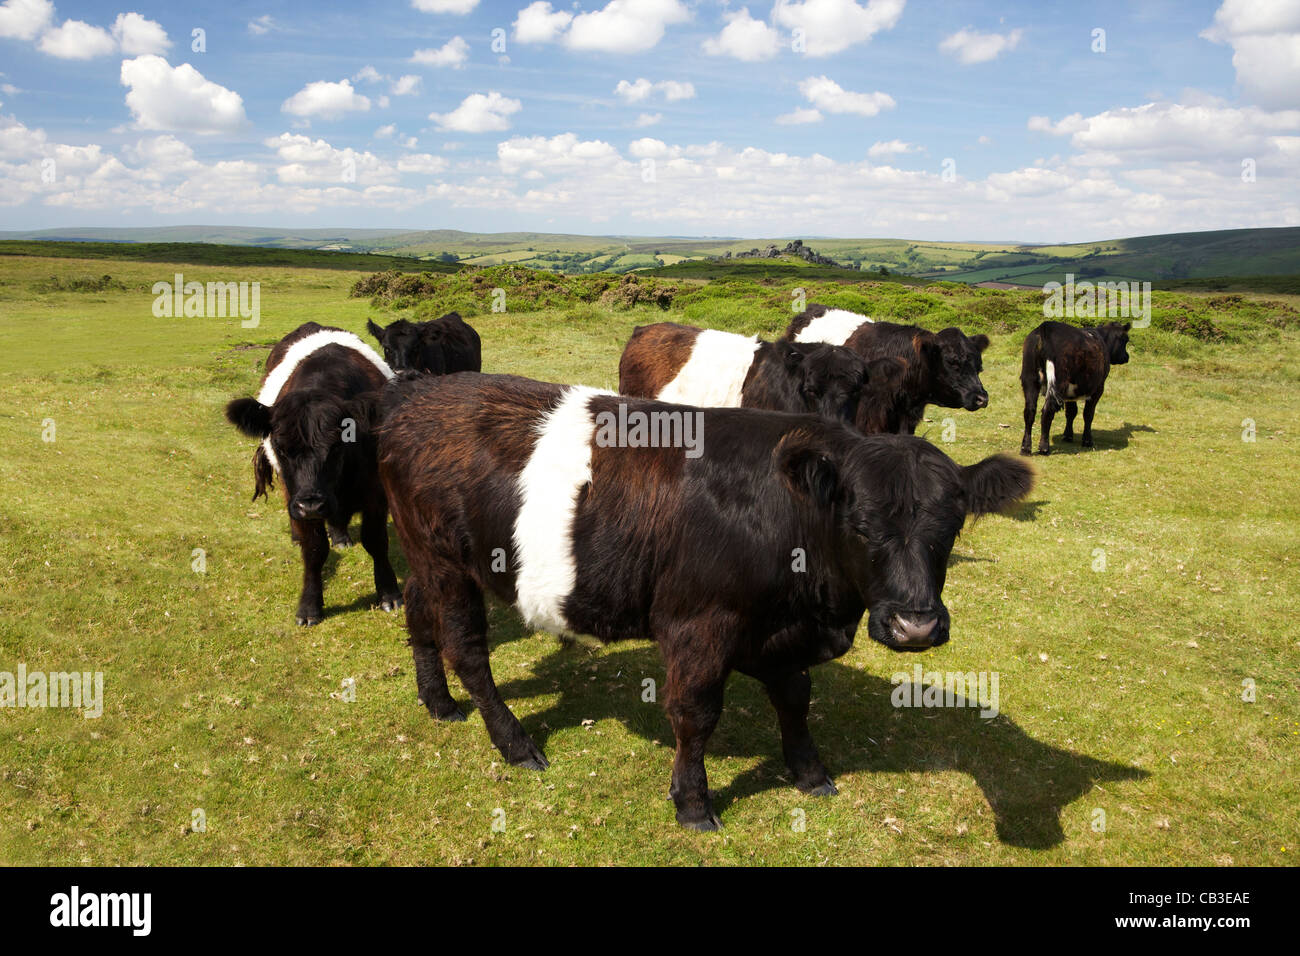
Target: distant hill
x=1176, y=256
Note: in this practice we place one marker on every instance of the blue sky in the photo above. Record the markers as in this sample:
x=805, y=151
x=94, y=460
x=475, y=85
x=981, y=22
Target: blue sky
x=939, y=120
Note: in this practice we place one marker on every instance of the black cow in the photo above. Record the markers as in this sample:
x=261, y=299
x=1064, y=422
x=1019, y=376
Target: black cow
x=939, y=368
x=1068, y=364
x=760, y=555
x=315, y=414
x=442, y=346
x=691, y=366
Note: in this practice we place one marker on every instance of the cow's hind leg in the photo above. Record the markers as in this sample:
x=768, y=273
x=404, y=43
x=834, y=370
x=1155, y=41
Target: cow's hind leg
x=374, y=537
x=315, y=547
x=1029, y=385
x=462, y=636
x=790, y=693
x=1071, y=410
x=1050, y=405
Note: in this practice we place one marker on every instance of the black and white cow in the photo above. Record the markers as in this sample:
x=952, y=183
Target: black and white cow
x=760, y=555
x=938, y=368
x=440, y=347
x=692, y=366
x=1068, y=364
x=315, y=415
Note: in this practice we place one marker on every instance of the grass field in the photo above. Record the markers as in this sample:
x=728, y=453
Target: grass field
x=1121, y=690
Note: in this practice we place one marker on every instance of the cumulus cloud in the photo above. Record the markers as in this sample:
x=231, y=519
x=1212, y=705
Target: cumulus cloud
x=647, y=119
x=405, y=85
x=538, y=23
x=970, y=47
x=625, y=26
x=23, y=19
x=76, y=40
x=453, y=53
x=893, y=147
x=562, y=152
x=642, y=89
x=744, y=38
x=164, y=97
x=479, y=113
x=326, y=100
x=828, y=96
x=830, y=26
x=458, y=7
x=1265, y=41
x=136, y=35
x=800, y=116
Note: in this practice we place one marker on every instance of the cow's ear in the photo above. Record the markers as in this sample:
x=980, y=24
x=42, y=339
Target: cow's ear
x=376, y=330
x=995, y=483
x=431, y=333
x=806, y=467
x=250, y=416
x=981, y=341
x=364, y=409
x=931, y=352
x=1127, y=326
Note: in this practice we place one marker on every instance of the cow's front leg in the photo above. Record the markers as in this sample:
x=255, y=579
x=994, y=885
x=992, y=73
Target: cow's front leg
x=315, y=547
x=1071, y=410
x=339, y=537
x=790, y=693
x=374, y=537
x=1050, y=406
x=694, y=704
x=1089, y=409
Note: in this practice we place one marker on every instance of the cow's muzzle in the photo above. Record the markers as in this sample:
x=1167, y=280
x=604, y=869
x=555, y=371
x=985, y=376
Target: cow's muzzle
x=977, y=401
x=913, y=633
x=307, y=507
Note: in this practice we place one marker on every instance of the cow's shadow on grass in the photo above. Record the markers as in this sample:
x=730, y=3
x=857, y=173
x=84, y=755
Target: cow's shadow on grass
x=858, y=730
x=1104, y=440
x=1026, y=511
x=369, y=599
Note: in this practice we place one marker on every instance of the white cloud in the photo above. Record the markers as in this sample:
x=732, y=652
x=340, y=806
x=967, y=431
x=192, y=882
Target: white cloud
x=744, y=38
x=562, y=152
x=23, y=19
x=386, y=132
x=825, y=94
x=643, y=89
x=164, y=97
x=405, y=85
x=970, y=47
x=647, y=119
x=262, y=25
x=625, y=26
x=830, y=26
x=77, y=40
x=458, y=7
x=135, y=35
x=453, y=53
x=326, y=100
x=367, y=74
x=479, y=113
x=800, y=116
x=538, y=23
x=1265, y=41
x=893, y=147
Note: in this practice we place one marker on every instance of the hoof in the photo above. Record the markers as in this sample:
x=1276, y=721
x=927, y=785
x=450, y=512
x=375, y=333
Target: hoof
x=391, y=603
x=343, y=540
x=308, y=620
x=453, y=716
x=1025, y=450
x=1044, y=451
x=707, y=822
x=531, y=758
x=1069, y=438
x=825, y=788
x=1088, y=445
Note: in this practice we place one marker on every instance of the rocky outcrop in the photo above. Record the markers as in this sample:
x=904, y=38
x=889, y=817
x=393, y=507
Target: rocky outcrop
x=794, y=248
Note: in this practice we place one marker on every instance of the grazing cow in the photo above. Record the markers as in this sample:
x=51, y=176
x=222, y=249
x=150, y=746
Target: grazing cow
x=315, y=414
x=440, y=347
x=690, y=366
x=939, y=368
x=1068, y=364
x=760, y=555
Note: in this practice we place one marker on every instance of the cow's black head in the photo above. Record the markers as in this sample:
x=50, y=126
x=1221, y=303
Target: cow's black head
x=898, y=504
x=830, y=379
x=416, y=346
x=316, y=438
x=956, y=361
x=1116, y=338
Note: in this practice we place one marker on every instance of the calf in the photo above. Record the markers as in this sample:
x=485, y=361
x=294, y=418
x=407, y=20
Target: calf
x=440, y=347
x=315, y=414
x=940, y=368
x=1069, y=364
x=680, y=363
x=759, y=556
